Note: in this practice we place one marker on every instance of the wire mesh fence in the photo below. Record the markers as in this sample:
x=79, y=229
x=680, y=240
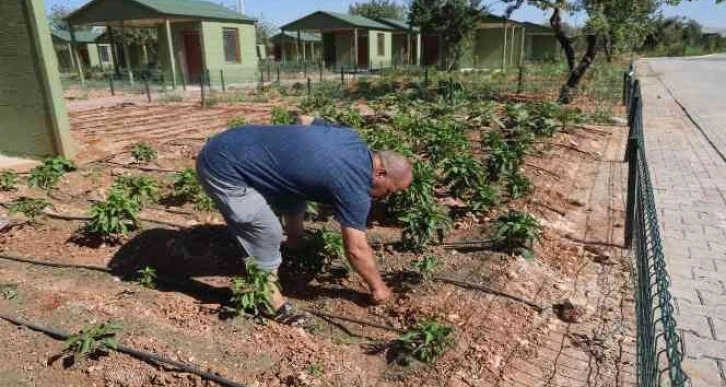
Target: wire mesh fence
x=659, y=354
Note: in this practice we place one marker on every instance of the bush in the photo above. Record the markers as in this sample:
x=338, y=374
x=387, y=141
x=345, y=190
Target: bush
x=281, y=116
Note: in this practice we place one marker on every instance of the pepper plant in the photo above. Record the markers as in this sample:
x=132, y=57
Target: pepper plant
x=143, y=153
x=426, y=341
x=147, y=277
x=141, y=189
x=462, y=173
x=281, y=116
x=518, y=185
x=423, y=223
x=48, y=174
x=8, y=180
x=516, y=232
x=426, y=266
x=114, y=217
x=30, y=207
x=252, y=293
x=93, y=340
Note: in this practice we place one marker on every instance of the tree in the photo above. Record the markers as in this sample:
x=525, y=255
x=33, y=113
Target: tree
x=610, y=21
x=57, y=17
x=453, y=20
x=378, y=9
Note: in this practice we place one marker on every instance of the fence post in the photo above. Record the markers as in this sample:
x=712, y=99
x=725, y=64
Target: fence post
x=426, y=76
x=201, y=86
x=305, y=69
x=146, y=86
x=269, y=71
x=342, y=77
x=320, y=69
x=520, y=77
x=309, y=87
x=221, y=79
x=632, y=154
x=209, y=79
x=278, y=74
x=184, y=82
x=110, y=83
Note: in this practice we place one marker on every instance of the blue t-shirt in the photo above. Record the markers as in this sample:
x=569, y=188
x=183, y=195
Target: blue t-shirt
x=325, y=164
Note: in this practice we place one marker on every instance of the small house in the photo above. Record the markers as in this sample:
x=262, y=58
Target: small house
x=195, y=37
x=348, y=41
x=90, y=53
x=307, y=48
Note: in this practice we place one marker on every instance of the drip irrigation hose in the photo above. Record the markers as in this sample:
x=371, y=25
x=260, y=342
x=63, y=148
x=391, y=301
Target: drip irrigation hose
x=142, y=355
x=485, y=289
x=353, y=320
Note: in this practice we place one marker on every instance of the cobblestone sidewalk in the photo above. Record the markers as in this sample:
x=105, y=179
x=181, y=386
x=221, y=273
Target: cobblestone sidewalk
x=689, y=176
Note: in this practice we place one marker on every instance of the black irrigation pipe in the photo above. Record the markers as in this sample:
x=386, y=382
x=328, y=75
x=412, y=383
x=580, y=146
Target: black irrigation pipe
x=138, y=167
x=141, y=355
x=485, y=289
x=87, y=218
x=353, y=320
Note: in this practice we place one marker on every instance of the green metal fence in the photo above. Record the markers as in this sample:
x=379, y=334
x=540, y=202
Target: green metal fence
x=659, y=354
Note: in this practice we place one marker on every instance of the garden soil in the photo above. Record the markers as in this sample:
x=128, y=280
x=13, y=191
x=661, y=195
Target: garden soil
x=581, y=277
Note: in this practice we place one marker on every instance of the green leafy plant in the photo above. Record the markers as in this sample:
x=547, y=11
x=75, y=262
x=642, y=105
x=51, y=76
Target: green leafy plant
x=114, y=217
x=8, y=180
x=484, y=198
x=518, y=185
x=8, y=291
x=423, y=223
x=567, y=116
x=30, y=207
x=147, y=277
x=505, y=156
x=426, y=266
x=141, y=189
x=316, y=370
x=186, y=185
x=281, y=116
x=421, y=189
x=48, y=174
x=204, y=203
x=516, y=232
x=426, y=341
x=236, y=122
x=143, y=153
x=463, y=173
x=93, y=340
x=252, y=294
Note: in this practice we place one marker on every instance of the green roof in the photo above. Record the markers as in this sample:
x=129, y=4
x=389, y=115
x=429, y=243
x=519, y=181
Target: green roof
x=196, y=9
x=397, y=24
x=304, y=36
x=317, y=20
x=81, y=36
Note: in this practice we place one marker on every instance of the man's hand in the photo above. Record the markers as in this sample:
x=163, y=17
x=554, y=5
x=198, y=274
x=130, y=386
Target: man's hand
x=381, y=296
x=360, y=256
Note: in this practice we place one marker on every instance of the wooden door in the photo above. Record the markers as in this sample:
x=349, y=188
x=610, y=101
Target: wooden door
x=193, y=55
x=363, y=51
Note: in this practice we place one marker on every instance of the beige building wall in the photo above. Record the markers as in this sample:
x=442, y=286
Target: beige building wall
x=33, y=119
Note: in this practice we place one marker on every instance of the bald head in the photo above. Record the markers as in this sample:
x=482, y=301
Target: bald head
x=392, y=173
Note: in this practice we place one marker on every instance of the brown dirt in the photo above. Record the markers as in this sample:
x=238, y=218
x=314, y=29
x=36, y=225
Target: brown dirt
x=498, y=341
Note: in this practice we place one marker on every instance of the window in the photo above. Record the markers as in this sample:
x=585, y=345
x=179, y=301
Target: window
x=381, y=44
x=231, y=45
x=104, y=53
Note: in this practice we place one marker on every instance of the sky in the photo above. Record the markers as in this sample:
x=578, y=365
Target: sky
x=280, y=12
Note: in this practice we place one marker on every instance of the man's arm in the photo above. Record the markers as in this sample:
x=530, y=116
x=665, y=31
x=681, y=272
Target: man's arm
x=360, y=255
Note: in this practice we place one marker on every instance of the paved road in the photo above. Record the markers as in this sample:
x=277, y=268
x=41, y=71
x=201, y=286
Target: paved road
x=685, y=134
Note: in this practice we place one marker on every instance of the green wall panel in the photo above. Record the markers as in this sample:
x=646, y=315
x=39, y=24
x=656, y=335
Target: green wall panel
x=213, y=48
x=380, y=61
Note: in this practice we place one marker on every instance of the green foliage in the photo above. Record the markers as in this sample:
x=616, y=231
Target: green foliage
x=93, y=340
x=8, y=291
x=484, y=198
x=376, y=9
x=147, y=277
x=143, y=153
x=423, y=223
x=462, y=173
x=141, y=189
x=252, y=294
x=516, y=231
x=518, y=185
x=543, y=118
x=455, y=20
x=316, y=370
x=567, y=116
x=186, y=187
x=420, y=191
x=426, y=341
x=236, y=122
x=30, y=207
x=426, y=266
x=114, y=217
x=505, y=157
x=281, y=116
x=8, y=180
x=48, y=174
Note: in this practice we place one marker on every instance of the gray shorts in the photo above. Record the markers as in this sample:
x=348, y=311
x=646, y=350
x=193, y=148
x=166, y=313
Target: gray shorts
x=249, y=217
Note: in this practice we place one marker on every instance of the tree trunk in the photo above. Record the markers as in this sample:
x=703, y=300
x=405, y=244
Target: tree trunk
x=565, y=41
x=568, y=90
x=608, y=49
